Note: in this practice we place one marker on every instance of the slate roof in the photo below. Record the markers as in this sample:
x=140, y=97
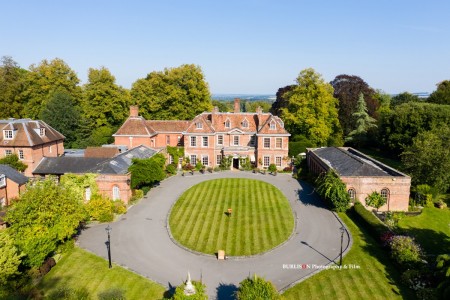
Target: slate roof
x=120, y=163
x=349, y=162
x=66, y=164
x=26, y=133
x=13, y=175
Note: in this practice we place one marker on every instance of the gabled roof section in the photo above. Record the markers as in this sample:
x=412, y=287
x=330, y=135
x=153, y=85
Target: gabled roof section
x=66, y=164
x=26, y=133
x=349, y=162
x=13, y=174
x=135, y=126
x=120, y=163
x=279, y=126
x=205, y=120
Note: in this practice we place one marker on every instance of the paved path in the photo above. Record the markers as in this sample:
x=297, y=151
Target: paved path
x=140, y=241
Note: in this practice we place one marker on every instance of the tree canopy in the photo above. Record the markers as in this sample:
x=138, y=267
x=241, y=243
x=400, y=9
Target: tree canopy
x=280, y=101
x=347, y=89
x=331, y=188
x=364, y=123
x=46, y=214
x=375, y=200
x=311, y=109
x=14, y=162
x=174, y=94
x=11, y=85
x=442, y=94
x=404, y=97
x=10, y=258
x=145, y=172
x=256, y=288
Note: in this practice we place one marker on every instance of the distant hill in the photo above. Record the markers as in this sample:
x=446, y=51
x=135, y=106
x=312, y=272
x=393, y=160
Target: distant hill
x=248, y=97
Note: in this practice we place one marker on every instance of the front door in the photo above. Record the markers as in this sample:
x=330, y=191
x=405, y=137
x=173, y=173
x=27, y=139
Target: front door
x=236, y=163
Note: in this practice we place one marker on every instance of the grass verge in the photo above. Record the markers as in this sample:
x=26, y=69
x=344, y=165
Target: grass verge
x=261, y=217
x=82, y=275
x=376, y=277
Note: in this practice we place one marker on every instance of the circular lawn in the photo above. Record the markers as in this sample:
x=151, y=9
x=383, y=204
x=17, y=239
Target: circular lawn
x=261, y=217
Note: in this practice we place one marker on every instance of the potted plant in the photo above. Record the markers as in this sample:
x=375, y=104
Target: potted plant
x=273, y=169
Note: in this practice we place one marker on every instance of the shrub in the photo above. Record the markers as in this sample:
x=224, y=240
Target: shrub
x=119, y=207
x=375, y=200
x=200, y=292
x=145, y=189
x=217, y=169
x=68, y=293
x=331, y=188
x=112, y=294
x=405, y=251
x=272, y=168
x=256, y=288
x=198, y=166
x=137, y=194
x=210, y=169
x=100, y=208
x=371, y=222
x=171, y=169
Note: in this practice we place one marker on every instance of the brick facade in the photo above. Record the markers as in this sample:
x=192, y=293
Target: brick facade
x=114, y=187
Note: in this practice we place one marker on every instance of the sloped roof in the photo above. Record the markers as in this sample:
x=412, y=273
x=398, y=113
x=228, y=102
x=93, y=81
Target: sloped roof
x=26, y=133
x=13, y=174
x=167, y=125
x=120, y=163
x=135, y=126
x=66, y=164
x=102, y=152
x=349, y=162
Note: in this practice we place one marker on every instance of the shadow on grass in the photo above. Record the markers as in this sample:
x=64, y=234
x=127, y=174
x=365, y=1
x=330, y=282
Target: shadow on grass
x=431, y=241
x=170, y=292
x=226, y=291
x=374, y=249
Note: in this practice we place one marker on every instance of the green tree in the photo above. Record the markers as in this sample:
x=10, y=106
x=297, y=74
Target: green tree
x=404, y=97
x=312, y=109
x=256, y=288
x=364, y=123
x=331, y=188
x=280, y=101
x=10, y=258
x=375, y=200
x=145, y=172
x=62, y=113
x=200, y=292
x=45, y=79
x=347, y=89
x=11, y=85
x=442, y=94
x=46, y=215
x=14, y=162
x=427, y=160
x=104, y=102
x=175, y=94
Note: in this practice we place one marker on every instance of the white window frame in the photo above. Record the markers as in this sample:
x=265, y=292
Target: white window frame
x=234, y=140
x=41, y=131
x=167, y=139
x=116, y=192
x=385, y=194
x=218, y=159
x=2, y=180
x=198, y=125
x=50, y=149
x=8, y=134
x=264, y=143
x=352, y=194
x=245, y=123
x=278, y=139
x=227, y=123
x=266, y=161
x=193, y=159
x=193, y=141
x=205, y=139
x=170, y=159
x=278, y=161
x=205, y=158
x=20, y=154
x=8, y=152
x=88, y=193
x=272, y=126
x=220, y=139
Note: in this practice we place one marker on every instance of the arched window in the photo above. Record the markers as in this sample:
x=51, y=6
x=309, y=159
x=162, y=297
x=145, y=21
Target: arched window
x=352, y=194
x=116, y=193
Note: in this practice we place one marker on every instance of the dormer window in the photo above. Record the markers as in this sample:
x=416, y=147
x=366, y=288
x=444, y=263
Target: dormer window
x=41, y=131
x=272, y=126
x=245, y=124
x=8, y=134
x=227, y=124
x=199, y=125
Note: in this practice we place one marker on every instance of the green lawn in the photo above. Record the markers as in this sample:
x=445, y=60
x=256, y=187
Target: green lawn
x=376, y=279
x=261, y=218
x=431, y=229
x=89, y=275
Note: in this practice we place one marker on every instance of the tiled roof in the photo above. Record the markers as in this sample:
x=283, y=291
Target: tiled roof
x=26, y=133
x=66, y=164
x=167, y=126
x=121, y=163
x=349, y=162
x=13, y=175
x=104, y=152
x=135, y=126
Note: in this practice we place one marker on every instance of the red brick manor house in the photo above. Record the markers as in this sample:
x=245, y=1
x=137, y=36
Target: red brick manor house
x=210, y=136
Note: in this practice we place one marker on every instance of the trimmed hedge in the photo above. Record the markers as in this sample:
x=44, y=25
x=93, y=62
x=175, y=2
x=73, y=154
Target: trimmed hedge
x=369, y=220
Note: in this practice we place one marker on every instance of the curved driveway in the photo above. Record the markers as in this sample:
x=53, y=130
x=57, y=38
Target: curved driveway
x=140, y=241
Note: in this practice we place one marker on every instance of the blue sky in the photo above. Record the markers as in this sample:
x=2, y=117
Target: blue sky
x=242, y=46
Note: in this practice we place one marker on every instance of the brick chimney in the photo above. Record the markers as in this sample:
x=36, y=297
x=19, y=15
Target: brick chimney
x=237, y=105
x=134, y=111
x=214, y=111
x=258, y=115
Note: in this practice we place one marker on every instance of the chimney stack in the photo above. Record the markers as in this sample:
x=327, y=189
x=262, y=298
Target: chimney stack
x=237, y=105
x=134, y=111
